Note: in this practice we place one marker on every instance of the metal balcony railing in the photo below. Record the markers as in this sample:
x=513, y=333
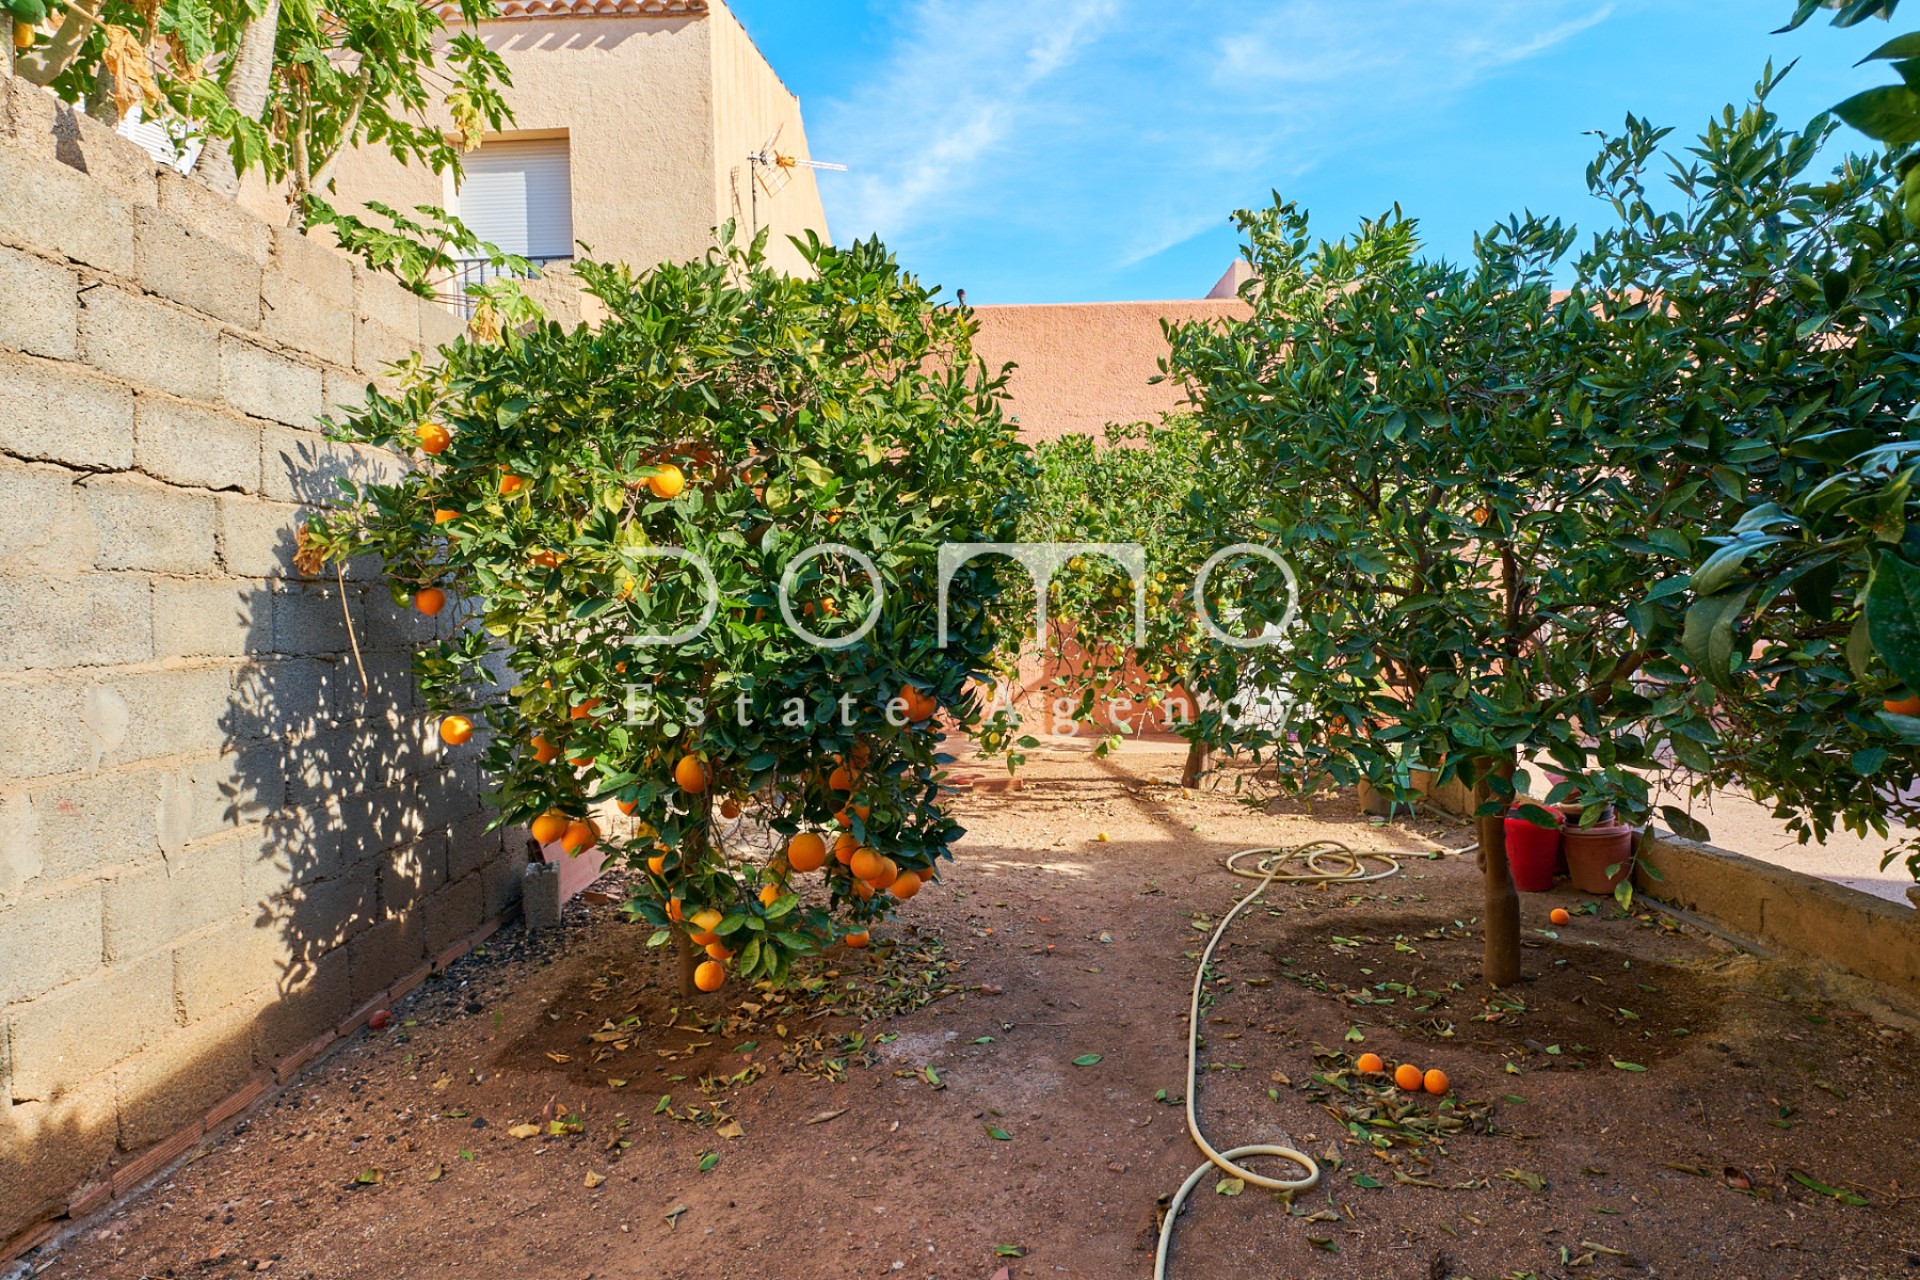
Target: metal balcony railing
x=466, y=271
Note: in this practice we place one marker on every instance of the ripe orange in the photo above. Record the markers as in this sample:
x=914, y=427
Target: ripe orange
x=841, y=779
x=547, y=559
x=863, y=891
x=905, y=886
x=1904, y=706
x=628, y=807
x=1408, y=1077
x=674, y=911
x=580, y=835
x=710, y=976
x=667, y=482
x=433, y=437
x=858, y=940
x=455, y=730
x=657, y=864
x=511, y=484
x=769, y=894
x=585, y=709
x=844, y=848
x=1370, y=1064
x=889, y=872
x=806, y=852
x=1435, y=1081
x=706, y=920
x=430, y=601
x=920, y=706
x=549, y=826
x=1560, y=915
x=718, y=951
x=730, y=808
x=691, y=775
x=442, y=515
x=544, y=752
x=866, y=863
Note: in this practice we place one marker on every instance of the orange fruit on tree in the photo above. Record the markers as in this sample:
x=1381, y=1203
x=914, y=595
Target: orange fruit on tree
x=628, y=807
x=444, y=515
x=730, y=808
x=1409, y=1077
x=547, y=559
x=858, y=940
x=580, y=835
x=667, y=482
x=1904, y=706
x=674, y=910
x=544, y=752
x=806, y=852
x=710, y=976
x=706, y=919
x=430, y=601
x=866, y=863
x=549, y=826
x=862, y=755
x=511, y=484
x=1435, y=1081
x=863, y=891
x=905, y=885
x=844, y=848
x=1560, y=915
x=889, y=872
x=657, y=864
x=841, y=779
x=433, y=437
x=455, y=730
x=584, y=710
x=691, y=775
x=1369, y=1064
x=717, y=950
x=769, y=894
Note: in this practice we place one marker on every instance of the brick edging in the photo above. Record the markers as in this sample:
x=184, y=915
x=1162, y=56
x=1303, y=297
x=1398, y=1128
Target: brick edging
x=159, y=1159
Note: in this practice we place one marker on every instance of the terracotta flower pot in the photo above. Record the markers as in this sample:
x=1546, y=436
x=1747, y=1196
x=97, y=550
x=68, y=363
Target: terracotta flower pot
x=1533, y=854
x=1594, y=852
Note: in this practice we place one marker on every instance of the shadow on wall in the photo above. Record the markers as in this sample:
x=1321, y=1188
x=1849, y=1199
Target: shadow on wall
x=589, y=33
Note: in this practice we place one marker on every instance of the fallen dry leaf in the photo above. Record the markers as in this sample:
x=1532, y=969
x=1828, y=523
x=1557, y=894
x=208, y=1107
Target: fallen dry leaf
x=524, y=1131
x=594, y=1180
x=825, y=1116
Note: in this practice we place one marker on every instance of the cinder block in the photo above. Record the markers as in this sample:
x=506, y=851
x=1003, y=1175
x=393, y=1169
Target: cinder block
x=177, y=712
x=97, y=619
x=471, y=846
x=47, y=732
x=194, y=269
x=62, y=413
x=313, y=265
x=455, y=912
x=376, y=822
x=53, y=129
x=48, y=940
x=92, y=824
x=375, y=346
x=315, y=995
x=42, y=311
x=269, y=385
x=44, y=523
x=237, y=788
x=380, y=298
x=215, y=216
x=305, y=319
x=286, y=698
x=151, y=907
x=303, y=466
x=439, y=325
x=185, y=444
x=302, y=845
x=258, y=539
x=88, y=1026
x=237, y=964
x=172, y=1083
x=143, y=524
x=412, y=873
x=38, y=1173
x=321, y=917
x=502, y=880
x=210, y=617
x=346, y=391
x=311, y=620
x=389, y=950
x=449, y=794
x=51, y=208
x=150, y=343
x=353, y=758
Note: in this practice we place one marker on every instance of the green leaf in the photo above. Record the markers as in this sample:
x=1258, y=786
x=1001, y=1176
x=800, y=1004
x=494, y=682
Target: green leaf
x=1813, y=1184
x=1684, y=824
x=1890, y=113
x=1893, y=616
x=1230, y=1186
x=709, y=1161
x=1708, y=636
x=1086, y=1060
x=1366, y=1181
x=998, y=1134
x=1626, y=1066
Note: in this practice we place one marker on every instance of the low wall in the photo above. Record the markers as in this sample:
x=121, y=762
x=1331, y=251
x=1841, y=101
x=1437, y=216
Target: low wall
x=1084, y=365
x=219, y=849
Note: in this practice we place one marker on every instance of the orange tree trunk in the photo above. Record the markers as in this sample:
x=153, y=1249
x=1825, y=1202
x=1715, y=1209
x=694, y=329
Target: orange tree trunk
x=1502, y=913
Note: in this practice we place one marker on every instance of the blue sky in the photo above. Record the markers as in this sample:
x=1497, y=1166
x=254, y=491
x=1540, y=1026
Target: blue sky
x=1087, y=150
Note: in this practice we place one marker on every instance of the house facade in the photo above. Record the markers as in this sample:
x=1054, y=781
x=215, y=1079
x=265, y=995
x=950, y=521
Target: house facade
x=637, y=124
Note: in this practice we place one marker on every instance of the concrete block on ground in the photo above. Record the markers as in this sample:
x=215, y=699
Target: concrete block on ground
x=540, y=895
x=189, y=445
x=185, y=265
x=150, y=343
x=42, y=314
x=63, y=413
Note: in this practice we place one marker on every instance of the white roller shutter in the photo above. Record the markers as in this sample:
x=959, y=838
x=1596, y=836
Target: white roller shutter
x=519, y=196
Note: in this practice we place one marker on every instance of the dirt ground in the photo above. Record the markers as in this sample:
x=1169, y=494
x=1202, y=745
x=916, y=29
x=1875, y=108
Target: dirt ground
x=1649, y=1102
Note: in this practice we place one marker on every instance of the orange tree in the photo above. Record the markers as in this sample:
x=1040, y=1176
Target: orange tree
x=627, y=523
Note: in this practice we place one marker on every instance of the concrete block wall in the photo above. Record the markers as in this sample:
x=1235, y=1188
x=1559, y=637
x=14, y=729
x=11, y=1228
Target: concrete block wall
x=218, y=847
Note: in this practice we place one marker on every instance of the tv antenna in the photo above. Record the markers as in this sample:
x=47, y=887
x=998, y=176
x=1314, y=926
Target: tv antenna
x=773, y=169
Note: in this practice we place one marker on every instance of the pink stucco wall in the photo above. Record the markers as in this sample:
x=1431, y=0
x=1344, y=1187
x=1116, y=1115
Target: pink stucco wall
x=1085, y=364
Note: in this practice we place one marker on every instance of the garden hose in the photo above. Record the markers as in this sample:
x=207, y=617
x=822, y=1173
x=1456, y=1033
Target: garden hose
x=1319, y=862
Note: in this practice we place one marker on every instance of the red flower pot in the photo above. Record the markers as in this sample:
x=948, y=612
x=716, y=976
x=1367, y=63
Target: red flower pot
x=1532, y=854
x=1594, y=852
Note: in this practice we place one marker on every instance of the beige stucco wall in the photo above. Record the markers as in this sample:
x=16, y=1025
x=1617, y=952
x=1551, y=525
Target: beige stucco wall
x=1084, y=365
x=749, y=103
x=660, y=113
